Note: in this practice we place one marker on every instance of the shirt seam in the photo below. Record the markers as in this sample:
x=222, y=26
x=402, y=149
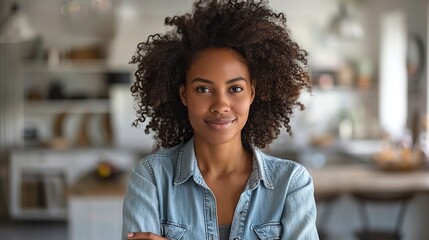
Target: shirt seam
x=146, y=162
x=295, y=175
x=149, y=169
x=179, y=166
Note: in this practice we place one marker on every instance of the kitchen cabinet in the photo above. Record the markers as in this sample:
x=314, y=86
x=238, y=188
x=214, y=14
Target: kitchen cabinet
x=96, y=208
x=66, y=131
x=39, y=179
x=94, y=218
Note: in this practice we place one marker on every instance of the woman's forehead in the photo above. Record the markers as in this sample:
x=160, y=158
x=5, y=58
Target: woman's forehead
x=218, y=63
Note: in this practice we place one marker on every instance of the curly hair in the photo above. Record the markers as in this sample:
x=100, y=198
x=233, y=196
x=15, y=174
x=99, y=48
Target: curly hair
x=277, y=65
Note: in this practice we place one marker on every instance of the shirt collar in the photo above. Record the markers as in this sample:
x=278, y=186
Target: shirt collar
x=187, y=167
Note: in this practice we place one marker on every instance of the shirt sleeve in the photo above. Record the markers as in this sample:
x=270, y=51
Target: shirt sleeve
x=140, y=207
x=299, y=214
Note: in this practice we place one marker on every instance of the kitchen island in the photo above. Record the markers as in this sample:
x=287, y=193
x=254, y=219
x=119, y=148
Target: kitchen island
x=95, y=206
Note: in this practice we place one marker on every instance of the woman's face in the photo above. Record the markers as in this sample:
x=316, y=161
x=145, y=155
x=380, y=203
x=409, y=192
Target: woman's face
x=218, y=94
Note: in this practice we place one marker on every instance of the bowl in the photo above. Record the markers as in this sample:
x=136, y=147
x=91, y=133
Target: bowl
x=399, y=160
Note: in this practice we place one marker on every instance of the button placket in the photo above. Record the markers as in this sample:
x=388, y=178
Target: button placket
x=210, y=215
x=238, y=222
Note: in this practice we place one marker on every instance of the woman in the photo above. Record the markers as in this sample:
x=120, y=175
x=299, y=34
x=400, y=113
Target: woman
x=216, y=89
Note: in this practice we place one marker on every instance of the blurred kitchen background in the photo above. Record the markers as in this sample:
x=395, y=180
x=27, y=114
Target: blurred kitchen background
x=66, y=141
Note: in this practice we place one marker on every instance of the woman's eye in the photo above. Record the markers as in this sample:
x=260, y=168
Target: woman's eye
x=202, y=89
x=236, y=89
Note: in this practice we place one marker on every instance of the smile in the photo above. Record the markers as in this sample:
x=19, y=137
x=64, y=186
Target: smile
x=220, y=124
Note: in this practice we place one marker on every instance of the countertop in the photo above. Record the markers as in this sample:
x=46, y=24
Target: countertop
x=91, y=186
x=335, y=178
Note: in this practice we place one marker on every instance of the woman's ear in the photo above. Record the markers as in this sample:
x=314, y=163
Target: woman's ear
x=182, y=93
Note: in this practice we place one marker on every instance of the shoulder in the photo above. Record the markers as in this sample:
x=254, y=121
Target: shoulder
x=161, y=156
x=275, y=163
x=284, y=170
x=163, y=160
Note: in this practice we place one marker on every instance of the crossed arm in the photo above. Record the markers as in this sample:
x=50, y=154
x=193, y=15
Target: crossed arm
x=144, y=236
x=140, y=209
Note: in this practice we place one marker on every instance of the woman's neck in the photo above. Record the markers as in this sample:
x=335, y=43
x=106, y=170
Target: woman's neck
x=222, y=159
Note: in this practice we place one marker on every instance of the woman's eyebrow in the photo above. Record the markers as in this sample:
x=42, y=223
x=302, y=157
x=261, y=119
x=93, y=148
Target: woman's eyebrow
x=211, y=82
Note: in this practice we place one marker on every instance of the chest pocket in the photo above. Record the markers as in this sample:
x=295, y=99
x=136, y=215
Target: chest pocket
x=173, y=231
x=268, y=231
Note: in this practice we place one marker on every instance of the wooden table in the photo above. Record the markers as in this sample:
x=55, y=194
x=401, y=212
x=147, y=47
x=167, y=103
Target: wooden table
x=349, y=178
x=334, y=184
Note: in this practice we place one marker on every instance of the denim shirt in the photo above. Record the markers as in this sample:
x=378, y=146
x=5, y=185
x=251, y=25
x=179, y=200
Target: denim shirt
x=167, y=195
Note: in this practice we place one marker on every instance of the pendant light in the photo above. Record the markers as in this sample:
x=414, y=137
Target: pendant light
x=16, y=27
x=345, y=26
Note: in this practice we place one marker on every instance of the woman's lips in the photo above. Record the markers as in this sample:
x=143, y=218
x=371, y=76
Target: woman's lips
x=221, y=123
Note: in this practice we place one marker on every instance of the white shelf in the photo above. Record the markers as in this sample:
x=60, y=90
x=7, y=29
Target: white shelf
x=74, y=66
x=348, y=90
x=68, y=67
x=69, y=106
x=41, y=214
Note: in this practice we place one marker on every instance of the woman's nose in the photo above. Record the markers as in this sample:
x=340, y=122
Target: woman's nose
x=220, y=104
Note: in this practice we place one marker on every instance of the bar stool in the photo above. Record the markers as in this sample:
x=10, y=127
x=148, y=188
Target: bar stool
x=327, y=199
x=370, y=233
